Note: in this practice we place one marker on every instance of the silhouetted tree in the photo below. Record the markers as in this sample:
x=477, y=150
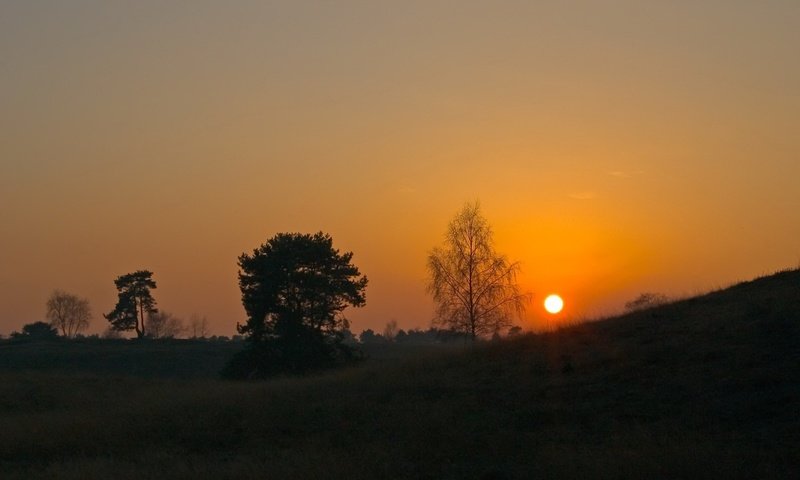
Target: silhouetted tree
x=646, y=300
x=416, y=336
x=390, y=330
x=135, y=302
x=198, y=326
x=474, y=287
x=36, y=331
x=369, y=336
x=348, y=338
x=401, y=336
x=164, y=325
x=445, y=335
x=514, y=331
x=68, y=313
x=294, y=289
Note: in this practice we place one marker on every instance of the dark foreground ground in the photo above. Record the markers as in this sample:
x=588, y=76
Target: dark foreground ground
x=704, y=388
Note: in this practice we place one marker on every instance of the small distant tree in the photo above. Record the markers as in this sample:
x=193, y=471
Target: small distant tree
x=37, y=331
x=164, y=325
x=401, y=336
x=135, y=302
x=514, y=331
x=474, y=287
x=294, y=290
x=419, y=337
x=68, y=313
x=198, y=326
x=369, y=336
x=645, y=301
x=390, y=330
x=348, y=338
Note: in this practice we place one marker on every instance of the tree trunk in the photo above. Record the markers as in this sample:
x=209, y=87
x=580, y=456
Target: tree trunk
x=140, y=331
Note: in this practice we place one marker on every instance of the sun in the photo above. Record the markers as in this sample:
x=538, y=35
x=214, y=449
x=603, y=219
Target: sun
x=553, y=304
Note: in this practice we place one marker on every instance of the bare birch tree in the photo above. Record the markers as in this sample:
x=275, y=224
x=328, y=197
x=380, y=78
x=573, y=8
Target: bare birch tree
x=69, y=313
x=390, y=330
x=163, y=324
x=474, y=287
x=198, y=326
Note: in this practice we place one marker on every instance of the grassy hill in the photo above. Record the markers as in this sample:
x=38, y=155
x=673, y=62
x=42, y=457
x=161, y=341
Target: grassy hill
x=707, y=387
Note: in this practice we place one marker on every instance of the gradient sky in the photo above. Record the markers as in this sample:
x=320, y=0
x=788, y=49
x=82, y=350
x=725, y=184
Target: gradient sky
x=616, y=146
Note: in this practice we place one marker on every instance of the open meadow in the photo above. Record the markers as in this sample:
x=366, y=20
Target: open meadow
x=706, y=387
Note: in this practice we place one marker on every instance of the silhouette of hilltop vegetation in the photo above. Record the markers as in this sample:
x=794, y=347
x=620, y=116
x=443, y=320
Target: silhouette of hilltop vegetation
x=706, y=387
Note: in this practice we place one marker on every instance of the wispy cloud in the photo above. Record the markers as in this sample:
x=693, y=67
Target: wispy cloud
x=406, y=190
x=587, y=195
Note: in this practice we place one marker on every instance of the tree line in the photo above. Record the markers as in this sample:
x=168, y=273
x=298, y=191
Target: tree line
x=295, y=288
x=68, y=315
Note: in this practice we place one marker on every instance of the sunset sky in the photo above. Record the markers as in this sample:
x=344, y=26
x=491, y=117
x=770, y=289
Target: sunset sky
x=616, y=147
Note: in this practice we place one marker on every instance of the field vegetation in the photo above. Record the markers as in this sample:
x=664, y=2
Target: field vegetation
x=706, y=387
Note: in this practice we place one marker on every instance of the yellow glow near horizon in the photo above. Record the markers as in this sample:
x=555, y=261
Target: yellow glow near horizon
x=553, y=304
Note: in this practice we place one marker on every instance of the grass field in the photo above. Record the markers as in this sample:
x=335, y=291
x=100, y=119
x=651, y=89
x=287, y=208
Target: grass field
x=183, y=359
x=707, y=387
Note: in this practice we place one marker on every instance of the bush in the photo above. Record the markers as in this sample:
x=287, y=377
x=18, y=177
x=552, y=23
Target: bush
x=278, y=356
x=36, y=331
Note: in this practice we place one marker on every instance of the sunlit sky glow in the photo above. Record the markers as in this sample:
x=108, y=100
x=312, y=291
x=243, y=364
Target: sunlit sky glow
x=616, y=146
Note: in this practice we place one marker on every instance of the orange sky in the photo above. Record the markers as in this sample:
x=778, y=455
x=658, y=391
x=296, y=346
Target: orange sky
x=616, y=147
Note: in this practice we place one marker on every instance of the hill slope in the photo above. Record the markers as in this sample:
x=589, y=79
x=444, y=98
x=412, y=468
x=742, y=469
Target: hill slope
x=703, y=388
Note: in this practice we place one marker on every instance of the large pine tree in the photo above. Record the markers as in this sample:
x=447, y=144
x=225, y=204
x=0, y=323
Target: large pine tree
x=294, y=290
x=135, y=302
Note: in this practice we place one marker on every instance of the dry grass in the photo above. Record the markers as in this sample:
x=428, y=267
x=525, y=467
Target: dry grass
x=703, y=388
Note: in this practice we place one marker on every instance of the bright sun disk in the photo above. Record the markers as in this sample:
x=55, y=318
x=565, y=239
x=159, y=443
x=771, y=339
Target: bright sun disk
x=553, y=303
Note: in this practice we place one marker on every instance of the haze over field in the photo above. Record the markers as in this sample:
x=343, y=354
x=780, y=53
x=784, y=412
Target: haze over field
x=616, y=147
